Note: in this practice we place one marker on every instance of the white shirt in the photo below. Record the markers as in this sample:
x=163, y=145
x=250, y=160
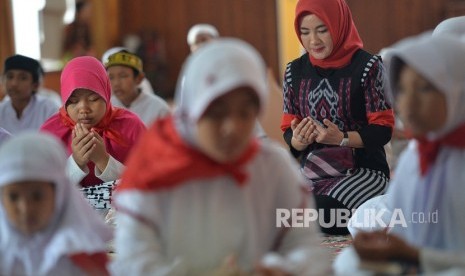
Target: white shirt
x=34, y=115
x=112, y=171
x=190, y=229
x=441, y=191
x=148, y=107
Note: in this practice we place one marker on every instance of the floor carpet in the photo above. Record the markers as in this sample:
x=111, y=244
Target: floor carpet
x=336, y=243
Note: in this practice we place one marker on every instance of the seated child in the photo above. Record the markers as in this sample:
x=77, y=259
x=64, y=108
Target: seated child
x=98, y=136
x=212, y=191
x=125, y=72
x=427, y=195
x=145, y=85
x=23, y=109
x=46, y=226
x=455, y=27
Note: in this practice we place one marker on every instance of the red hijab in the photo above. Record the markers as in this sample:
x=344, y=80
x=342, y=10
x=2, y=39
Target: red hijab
x=337, y=17
x=119, y=128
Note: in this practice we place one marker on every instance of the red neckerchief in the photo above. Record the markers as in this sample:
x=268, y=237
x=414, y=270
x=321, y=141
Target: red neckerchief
x=429, y=150
x=101, y=128
x=162, y=160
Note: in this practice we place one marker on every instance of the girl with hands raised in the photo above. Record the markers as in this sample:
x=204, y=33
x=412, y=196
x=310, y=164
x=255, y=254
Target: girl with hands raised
x=98, y=135
x=88, y=146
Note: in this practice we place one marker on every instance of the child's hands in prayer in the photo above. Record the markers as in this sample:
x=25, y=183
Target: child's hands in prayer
x=381, y=246
x=88, y=146
x=98, y=153
x=81, y=145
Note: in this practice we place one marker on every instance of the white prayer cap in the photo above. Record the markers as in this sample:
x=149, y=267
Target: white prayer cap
x=201, y=29
x=112, y=51
x=451, y=26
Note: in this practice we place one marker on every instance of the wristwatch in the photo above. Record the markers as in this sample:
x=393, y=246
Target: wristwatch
x=345, y=140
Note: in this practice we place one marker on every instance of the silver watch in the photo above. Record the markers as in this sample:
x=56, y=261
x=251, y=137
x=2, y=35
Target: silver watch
x=345, y=140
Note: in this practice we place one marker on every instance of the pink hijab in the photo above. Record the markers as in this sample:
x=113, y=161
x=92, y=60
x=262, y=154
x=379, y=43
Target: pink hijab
x=119, y=128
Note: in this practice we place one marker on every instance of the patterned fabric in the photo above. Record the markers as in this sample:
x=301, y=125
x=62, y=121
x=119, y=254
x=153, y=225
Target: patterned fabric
x=355, y=189
x=328, y=162
x=351, y=97
x=344, y=97
x=99, y=196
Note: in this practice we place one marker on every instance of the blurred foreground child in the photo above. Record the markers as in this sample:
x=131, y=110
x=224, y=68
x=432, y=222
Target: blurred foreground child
x=212, y=192
x=46, y=226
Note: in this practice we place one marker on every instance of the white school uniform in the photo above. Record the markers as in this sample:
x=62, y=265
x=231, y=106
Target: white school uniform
x=188, y=220
x=148, y=107
x=431, y=203
x=34, y=115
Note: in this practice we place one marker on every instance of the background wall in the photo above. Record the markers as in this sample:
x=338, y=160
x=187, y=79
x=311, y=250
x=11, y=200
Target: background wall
x=266, y=24
x=252, y=20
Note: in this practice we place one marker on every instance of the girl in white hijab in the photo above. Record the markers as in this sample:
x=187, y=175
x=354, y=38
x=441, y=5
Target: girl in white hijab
x=455, y=27
x=428, y=189
x=46, y=226
x=200, y=188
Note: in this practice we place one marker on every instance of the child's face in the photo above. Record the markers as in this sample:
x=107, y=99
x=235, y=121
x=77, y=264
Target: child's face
x=19, y=85
x=29, y=205
x=225, y=129
x=421, y=106
x=124, y=83
x=86, y=107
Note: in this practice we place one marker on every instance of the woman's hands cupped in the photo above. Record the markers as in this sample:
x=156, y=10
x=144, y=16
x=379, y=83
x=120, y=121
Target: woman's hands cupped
x=303, y=133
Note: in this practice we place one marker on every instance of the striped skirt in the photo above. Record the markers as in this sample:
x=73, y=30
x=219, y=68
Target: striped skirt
x=354, y=189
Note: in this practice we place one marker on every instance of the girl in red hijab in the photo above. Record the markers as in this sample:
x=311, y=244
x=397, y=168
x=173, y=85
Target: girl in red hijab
x=336, y=118
x=98, y=136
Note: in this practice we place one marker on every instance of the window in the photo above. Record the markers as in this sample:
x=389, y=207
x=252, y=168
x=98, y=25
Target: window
x=38, y=27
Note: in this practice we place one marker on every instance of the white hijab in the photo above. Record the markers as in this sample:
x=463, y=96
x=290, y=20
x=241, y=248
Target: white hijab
x=74, y=228
x=441, y=191
x=452, y=26
x=211, y=72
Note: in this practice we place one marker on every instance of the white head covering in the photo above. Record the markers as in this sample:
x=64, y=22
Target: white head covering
x=74, y=227
x=440, y=193
x=440, y=60
x=213, y=71
x=452, y=26
x=197, y=29
x=112, y=51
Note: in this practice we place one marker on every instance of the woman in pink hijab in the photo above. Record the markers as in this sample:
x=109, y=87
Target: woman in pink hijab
x=98, y=136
